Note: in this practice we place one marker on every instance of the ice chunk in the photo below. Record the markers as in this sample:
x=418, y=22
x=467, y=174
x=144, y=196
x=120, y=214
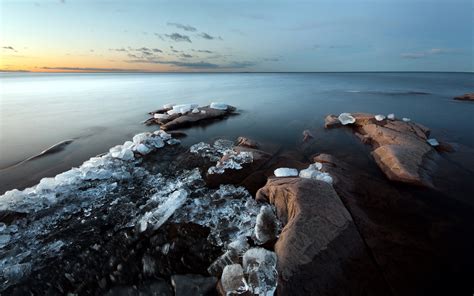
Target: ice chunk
x=3, y=226
x=218, y=106
x=286, y=172
x=406, y=119
x=161, y=116
x=346, y=118
x=266, y=226
x=231, y=160
x=163, y=135
x=123, y=152
x=16, y=272
x=391, y=116
x=203, y=112
x=141, y=138
x=195, y=111
x=182, y=108
x=233, y=280
x=259, y=265
x=228, y=258
x=379, y=117
x=433, y=142
x=314, y=172
x=173, y=142
x=4, y=240
x=240, y=245
x=159, y=216
x=142, y=149
x=168, y=106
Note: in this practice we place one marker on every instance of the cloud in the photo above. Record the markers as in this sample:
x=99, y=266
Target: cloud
x=184, y=27
x=117, y=49
x=90, y=69
x=427, y=53
x=208, y=37
x=178, y=37
x=9, y=48
x=202, y=50
x=198, y=65
x=157, y=50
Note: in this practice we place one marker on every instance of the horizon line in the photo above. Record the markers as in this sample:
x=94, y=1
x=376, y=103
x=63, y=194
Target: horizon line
x=219, y=72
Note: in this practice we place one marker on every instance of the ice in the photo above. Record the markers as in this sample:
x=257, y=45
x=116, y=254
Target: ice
x=4, y=240
x=3, y=226
x=233, y=280
x=433, y=142
x=260, y=267
x=219, y=106
x=162, y=134
x=168, y=106
x=141, y=138
x=285, y=172
x=346, y=118
x=228, y=258
x=161, y=116
x=159, y=216
x=379, y=117
x=173, y=142
x=182, y=108
x=391, y=116
x=203, y=112
x=14, y=273
x=266, y=225
x=406, y=119
x=142, y=149
x=195, y=111
x=314, y=172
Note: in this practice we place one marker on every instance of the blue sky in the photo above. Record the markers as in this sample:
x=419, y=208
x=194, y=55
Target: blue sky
x=381, y=35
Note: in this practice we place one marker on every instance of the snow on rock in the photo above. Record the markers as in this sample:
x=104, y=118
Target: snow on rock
x=159, y=216
x=433, y=142
x=285, y=172
x=391, y=116
x=219, y=106
x=346, y=118
x=379, y=117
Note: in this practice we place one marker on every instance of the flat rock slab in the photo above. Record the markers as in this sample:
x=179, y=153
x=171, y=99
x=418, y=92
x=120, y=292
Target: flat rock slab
x=399, y=148
x=319, y=249
x=176, y=121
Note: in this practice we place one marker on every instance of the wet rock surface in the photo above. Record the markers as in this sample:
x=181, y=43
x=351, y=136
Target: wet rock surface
x=465, y=97
x=319, y=250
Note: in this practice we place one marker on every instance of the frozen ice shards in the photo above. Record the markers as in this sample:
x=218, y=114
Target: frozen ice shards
x=233, y=280
x=379, y=117
x=314, y=172
x=260, y=267
x=433, y=142
x=346, y=118
x=218, y=106
x=159, y=216
x=266, y=225
x=285, y=172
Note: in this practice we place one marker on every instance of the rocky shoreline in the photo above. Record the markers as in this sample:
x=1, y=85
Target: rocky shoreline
x=152, y=217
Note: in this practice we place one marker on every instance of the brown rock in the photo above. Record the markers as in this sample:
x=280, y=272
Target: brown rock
x=319, y=250
x=246, y=142
x=331, y=121
x=465, y=97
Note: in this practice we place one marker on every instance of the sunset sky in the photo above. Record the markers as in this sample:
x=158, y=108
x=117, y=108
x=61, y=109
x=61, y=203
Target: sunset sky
x=352, y=35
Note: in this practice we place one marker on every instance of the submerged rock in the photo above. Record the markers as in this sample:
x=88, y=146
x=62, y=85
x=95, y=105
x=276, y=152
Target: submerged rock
x=246, y=142
x=465, y=97
x=331, y=121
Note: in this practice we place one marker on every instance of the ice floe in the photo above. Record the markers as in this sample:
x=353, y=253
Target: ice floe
x=285, y=172
x=346, y=118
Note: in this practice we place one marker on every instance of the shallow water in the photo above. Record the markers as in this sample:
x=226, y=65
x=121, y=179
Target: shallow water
x=102, y=110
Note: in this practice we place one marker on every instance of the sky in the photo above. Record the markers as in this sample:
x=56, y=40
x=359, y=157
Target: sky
x=236, y=36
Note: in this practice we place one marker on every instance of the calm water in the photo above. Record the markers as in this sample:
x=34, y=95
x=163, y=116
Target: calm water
x=102, y=110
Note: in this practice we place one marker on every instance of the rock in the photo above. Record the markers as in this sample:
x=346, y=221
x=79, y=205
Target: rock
x=266, y=225
x=307, y=135
x=400, y=148
x=193, y=285
x=319, y=250
x=445, y=147
x=465, y=97
x=412, y=237
x=9, y=217
x=346, y=118
x=185, y=115
x=246, y=142
x=332, y=121
x=157, y=287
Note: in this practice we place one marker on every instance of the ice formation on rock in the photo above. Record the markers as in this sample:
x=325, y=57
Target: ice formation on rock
x=346, y=118
x=285, y=172
x=433, y=142
x=182, y=109
x=233, y=280
x=379, y=117
x=266, y=225
x=161, y=116
x=406, y=119
x=260, y=268
x=391, y=116
x=223, y=153
x=314, y=172
x=195, y=111
x=218, y=106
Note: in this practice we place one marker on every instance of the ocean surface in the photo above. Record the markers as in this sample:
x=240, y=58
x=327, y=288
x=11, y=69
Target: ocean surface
x=98, y=111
